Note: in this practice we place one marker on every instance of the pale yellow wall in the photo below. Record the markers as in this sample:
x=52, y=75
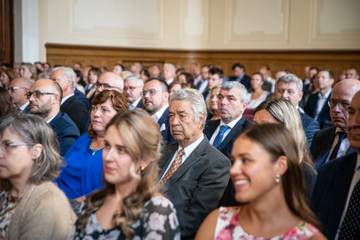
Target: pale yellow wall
x=202, y=24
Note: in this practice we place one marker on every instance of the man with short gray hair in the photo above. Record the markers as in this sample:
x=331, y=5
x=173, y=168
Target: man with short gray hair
x=222, y=133
x=70, y=104
x=193, y=173
x=290, y=87
x=133, y=91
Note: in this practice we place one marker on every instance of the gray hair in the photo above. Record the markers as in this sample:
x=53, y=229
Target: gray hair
x=34, y=130
x=68, y=74
x=135, y=79
x=291, y=78
x=193, y=96
x=244, y=95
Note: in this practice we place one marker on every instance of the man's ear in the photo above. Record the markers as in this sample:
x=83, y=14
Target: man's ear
x=36, y=151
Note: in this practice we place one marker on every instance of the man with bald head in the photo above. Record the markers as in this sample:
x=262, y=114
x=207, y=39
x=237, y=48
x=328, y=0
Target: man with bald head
x=337, y=191
x=18, y=89
x=44, y=100
x=70, y=104
x=331, y=143
x=109, y=81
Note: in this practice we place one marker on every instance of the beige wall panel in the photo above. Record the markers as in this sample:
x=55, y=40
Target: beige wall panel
x=202, y=24
x=335, y=23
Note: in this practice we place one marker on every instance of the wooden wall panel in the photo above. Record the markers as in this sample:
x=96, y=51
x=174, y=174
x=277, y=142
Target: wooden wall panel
x=6, y=31
x=295, y=61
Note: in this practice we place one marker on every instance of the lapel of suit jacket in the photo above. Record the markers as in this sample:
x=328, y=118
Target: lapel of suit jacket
x=194, y=157
x=166, y=158
x=164, y=118
x=341, y=183
x=326, y=145
x=233, y=133
x=211, y=127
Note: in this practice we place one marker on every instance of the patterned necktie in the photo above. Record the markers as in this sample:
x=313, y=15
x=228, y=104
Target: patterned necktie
x=220, y=136
x=342, y=136
x=350, y=227
x=174, y=166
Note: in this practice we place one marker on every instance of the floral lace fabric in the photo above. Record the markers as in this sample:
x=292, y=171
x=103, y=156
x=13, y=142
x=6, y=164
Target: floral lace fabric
x=228, y=228
x=7, y=209
x=157, y=221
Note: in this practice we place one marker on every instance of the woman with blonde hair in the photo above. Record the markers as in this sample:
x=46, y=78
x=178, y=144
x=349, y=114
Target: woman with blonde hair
x=31, y=206
x=268, y=180
x=130, y=206
x=283, y=112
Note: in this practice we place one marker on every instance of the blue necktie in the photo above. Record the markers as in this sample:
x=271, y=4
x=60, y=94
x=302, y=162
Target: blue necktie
x=220, y=136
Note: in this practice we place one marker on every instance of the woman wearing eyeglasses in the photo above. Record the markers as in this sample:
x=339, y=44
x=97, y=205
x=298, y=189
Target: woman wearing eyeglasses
x=82, y=173
x=31, y=206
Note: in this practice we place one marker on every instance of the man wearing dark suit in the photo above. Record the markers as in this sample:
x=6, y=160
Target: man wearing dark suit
x=44, y=97
x=240, y=76
x=71, y=105
x=156, y=103
x=290, y=87
x=335, y=199
x=18, y=88
x=331, y=143
x=133, y=90
x=232, y=101
x=316, y=105
x=216, y=78
x=194, y=174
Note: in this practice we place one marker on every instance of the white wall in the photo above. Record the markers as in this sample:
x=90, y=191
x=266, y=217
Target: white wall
x=192, y=24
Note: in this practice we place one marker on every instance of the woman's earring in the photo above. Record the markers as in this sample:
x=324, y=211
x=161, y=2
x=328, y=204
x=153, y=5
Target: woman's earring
x=277, y=178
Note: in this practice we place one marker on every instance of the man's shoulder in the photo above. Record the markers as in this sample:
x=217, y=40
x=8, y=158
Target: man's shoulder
x=332, y=167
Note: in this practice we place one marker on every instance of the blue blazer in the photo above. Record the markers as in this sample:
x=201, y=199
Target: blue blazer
x=310, y=125
x=245, y=80
x=83, y=170
x=330, y=193
x=82, y=98
x=226, y=145
x=324, y=115
x=66, y=131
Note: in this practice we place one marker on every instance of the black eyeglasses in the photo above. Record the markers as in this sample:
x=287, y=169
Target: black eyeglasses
x=152, y=92
x=38, y=94
x=13, y=89
x=343, y=105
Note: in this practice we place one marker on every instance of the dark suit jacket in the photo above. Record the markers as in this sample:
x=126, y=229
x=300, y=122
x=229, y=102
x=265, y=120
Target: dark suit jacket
x=310, y=125
x=82, y=98
x=324, y=115
x=165, y=128
x=66, y=131
x=321, y=145
x=197, y=185
x=226, y=145
x=245, y=80
x=330, y=193
x=78, y=112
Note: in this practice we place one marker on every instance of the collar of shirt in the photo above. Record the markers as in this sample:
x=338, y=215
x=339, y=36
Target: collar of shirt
x=133, y=105
x=325, y=96
x=190, y=148
x=232, y=123
x=22, y=107
x=159, y=113
x=66, y=98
